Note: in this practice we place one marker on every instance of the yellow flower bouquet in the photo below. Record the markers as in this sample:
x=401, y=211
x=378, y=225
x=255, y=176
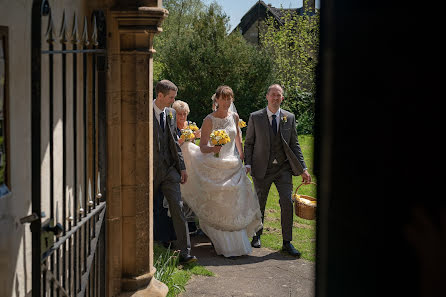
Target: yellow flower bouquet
x=219, y=138
x=187, y=135
x=241, y=123
x=192, y=126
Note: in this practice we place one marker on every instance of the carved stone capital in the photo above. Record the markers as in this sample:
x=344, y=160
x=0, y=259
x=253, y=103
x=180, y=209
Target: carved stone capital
x=143, y=20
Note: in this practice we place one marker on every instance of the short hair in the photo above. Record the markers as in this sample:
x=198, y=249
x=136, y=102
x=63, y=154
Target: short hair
x=164, y=86
x=179, y=105
x=274, y=86
x=224, y=91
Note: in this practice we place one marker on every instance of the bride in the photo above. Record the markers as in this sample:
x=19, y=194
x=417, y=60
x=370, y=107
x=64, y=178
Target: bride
x=218, y=189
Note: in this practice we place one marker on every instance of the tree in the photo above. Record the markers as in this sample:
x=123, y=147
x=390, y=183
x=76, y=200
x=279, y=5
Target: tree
x=204, y=56
x=294, y=47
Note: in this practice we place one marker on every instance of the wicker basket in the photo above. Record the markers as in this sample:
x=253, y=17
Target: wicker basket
x=303, y=210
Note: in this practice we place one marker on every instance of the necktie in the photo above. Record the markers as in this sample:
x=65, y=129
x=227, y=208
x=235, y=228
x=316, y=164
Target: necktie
x=274, y=124
x=162, y=120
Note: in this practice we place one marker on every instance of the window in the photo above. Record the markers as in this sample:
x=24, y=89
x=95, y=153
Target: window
x=4, y=170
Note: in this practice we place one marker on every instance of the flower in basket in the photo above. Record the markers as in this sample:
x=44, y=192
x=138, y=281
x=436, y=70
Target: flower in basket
x=300, y=199
x=187, y=135
x=219, y=138
x=241, y=123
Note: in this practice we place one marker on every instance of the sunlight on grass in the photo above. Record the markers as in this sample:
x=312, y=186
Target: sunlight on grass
x=172, y=274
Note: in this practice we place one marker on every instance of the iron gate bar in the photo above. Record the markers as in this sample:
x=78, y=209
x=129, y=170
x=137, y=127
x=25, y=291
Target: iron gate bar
x=82, y=243
x=63, y=238
x=79, y=51
x=74, y=42
x=94, y=242
x=50, y=40
x=51, y=277
x=63, y=41
x=93, y=137
x=36, y=63
x=84, y=115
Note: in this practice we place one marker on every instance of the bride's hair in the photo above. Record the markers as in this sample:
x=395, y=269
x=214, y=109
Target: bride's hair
x=224, y=91
x=214, y=102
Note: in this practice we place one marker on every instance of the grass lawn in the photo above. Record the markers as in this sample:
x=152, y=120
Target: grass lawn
x=174, y=275
x=304, y=231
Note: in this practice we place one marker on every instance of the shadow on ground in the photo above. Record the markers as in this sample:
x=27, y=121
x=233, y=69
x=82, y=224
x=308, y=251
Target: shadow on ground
x=263, y=273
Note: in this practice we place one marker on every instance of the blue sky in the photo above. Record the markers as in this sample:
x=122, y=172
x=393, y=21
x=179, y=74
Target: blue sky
x=235, y=9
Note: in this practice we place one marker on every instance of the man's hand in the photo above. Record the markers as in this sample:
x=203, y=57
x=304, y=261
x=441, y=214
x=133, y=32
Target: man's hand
x=183, y=176
x=306, y=177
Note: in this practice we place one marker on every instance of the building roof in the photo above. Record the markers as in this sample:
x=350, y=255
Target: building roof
x=260, y=10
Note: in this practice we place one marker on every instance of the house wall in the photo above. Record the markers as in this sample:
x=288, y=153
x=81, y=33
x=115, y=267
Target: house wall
x=252, y=34
x=15, y=238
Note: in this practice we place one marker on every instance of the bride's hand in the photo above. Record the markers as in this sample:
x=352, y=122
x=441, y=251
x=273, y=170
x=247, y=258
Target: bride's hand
x=242, y=156
x=216, y=149
x=197, y=134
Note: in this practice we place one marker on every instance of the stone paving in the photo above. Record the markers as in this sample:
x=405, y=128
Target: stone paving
x=264, y=273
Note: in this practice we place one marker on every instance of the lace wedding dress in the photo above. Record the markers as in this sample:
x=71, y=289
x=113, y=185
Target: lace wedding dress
x=221, y=195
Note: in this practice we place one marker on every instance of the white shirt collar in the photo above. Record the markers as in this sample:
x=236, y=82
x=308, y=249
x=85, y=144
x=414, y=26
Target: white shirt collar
x=157, y=110
x=270, y=113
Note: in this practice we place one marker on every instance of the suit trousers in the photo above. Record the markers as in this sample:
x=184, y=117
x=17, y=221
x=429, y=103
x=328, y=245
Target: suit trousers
x=281, y=176
x=168, y=179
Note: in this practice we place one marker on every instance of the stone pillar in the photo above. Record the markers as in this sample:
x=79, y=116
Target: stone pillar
x=131, y=30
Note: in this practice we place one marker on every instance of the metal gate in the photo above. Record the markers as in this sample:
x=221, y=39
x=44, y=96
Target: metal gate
x=68, y=152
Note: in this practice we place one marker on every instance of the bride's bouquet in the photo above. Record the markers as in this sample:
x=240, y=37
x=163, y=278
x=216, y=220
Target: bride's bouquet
x=187, y=135
x=219, y=138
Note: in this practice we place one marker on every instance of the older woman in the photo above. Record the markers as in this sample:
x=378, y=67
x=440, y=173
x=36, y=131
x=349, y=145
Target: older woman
x=182, y=110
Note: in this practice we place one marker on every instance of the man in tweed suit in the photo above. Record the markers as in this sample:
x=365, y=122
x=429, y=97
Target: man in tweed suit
x=273, y=155
x=169, y=169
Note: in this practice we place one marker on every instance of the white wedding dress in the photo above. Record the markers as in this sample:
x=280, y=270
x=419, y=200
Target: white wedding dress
x=221, y=195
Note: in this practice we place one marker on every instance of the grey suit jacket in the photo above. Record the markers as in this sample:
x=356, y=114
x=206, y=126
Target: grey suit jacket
x=257, y=143
x=174, y=147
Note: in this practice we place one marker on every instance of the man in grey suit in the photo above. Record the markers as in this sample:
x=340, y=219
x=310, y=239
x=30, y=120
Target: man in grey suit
x=273, y=155
x=168, y=164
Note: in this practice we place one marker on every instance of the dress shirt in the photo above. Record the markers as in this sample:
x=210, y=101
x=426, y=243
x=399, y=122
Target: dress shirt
x=270, y=117
x=158, y=112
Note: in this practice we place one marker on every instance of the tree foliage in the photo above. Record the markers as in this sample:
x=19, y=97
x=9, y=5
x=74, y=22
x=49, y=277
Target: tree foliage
x=294, y=47
x=200, y=54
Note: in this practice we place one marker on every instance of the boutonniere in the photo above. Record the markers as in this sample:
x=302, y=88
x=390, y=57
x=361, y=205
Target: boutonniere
x=170, y=116
x=284, y=119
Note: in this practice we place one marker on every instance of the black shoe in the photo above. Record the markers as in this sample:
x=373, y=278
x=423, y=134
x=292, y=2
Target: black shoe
x=187, y=259
x=289, y=248
x=255, y=243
